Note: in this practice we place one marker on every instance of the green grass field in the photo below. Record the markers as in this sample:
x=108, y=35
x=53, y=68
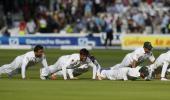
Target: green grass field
x=83, y=89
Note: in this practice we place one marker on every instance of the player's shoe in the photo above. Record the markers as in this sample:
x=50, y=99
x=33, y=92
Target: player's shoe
x=164, y=79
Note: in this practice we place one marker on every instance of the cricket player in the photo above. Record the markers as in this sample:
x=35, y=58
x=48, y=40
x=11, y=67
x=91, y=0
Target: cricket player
x=73, y=73
x=69, y=62
x=23, y=61
x=162, y=61
x=138, y=56
x=124, y=73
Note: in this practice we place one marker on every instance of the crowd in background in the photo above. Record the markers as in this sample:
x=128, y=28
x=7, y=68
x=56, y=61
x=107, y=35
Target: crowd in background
x=85, y=16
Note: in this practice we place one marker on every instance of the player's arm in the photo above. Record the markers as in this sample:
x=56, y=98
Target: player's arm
x=68, y=64
x=125, y=75
x=98, y=67
x=23, y=67
x=44, y=62
x=64, y=72
x=152, y=59
x=125, y=78
x=70, y=73
x=135, y=59
x=94, y=69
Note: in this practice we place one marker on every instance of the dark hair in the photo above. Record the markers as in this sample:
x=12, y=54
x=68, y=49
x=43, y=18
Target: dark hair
x=84, y=51
x=147, y=45
x=38, y=47
x=144, y=70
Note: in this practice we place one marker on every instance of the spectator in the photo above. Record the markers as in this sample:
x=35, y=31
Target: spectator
x=22, y=28
x=119, y=25
x=6, y=33
x=168, y=26
x=148, y=24
x=94, y=15
x=109, y=36
x=42, y=22
x=88, y=8
x=31, y=27
x=164, y=23
x=136, y=3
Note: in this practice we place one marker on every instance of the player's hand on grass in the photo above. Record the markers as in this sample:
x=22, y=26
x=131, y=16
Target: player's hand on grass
x=99, y=77
x=53, y=77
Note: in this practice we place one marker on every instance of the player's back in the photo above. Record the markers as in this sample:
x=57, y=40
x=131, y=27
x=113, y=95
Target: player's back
x=164, y=57
x=137, y=52
x=120, y=73
x=72, y=56
x=134, y=72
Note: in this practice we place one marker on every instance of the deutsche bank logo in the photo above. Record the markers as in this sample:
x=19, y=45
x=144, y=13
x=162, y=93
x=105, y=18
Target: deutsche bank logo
x=13, y=41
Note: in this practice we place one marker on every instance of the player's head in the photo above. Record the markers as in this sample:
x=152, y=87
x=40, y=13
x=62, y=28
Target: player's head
x=84, y=53
x=38, y=50
x=144, y=72
x=147, y=47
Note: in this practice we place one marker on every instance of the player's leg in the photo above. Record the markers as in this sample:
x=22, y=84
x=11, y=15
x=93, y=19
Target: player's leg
x=54, y=75
x=8, y=68
x=60, y=73
x=5, y=69
x=151, y=70
x=117, y=66
x=14, y=72
x=164, y=69
x=126, y=62
x=46, y=72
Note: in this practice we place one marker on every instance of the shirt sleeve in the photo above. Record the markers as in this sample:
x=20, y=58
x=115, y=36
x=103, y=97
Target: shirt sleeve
x=94, y=69
x=44, y=62
x=64, y=72
x=98, y=67
x=152, y=58
x=135, y=55
x=64, y=69
x=73, y=61
x=125, y=75
x=23, y=67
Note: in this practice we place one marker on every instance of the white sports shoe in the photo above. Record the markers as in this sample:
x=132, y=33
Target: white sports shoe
x=42, y=78
x=164, y=79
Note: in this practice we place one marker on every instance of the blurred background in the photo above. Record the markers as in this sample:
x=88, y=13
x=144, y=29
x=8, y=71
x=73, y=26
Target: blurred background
x=71, y=24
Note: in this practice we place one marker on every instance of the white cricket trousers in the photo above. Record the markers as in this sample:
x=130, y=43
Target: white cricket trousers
x=53, y=68
x=160, y=62
x=126, y=62
x=9, y=68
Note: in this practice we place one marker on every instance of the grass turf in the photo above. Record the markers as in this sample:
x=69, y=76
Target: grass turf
x=83, y=89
